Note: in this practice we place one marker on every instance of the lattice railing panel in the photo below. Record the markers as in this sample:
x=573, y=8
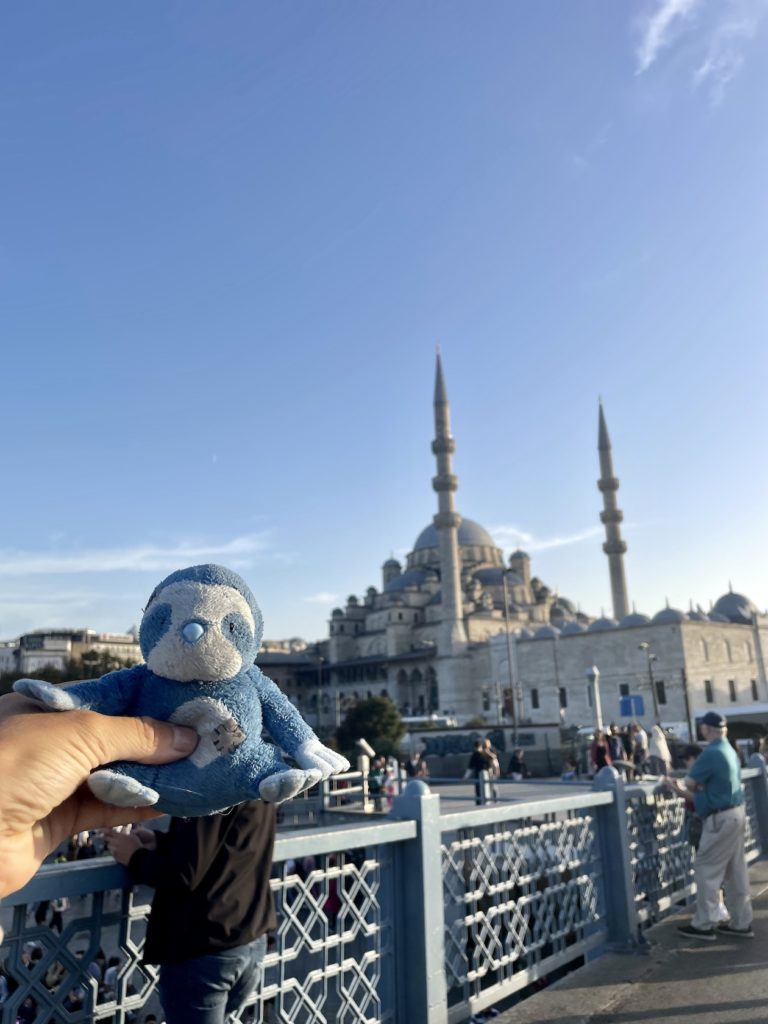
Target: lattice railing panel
x=519, y=898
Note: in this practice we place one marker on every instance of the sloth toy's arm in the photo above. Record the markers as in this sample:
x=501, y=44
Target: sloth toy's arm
x=291, y=732
x=109, y=695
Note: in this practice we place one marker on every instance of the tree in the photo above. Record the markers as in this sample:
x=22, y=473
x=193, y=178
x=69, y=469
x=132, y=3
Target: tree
x=376, y=720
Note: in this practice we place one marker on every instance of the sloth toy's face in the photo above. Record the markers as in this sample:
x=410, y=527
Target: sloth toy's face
x=198, y=631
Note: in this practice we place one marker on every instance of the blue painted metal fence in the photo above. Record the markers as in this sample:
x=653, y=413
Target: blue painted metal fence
x=417, y=916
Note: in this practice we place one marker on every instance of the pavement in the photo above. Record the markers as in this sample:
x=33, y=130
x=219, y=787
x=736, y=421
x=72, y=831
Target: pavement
x=677, y=981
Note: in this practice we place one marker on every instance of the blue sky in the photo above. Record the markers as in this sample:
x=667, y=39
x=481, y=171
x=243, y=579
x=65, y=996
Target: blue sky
x=232, y=235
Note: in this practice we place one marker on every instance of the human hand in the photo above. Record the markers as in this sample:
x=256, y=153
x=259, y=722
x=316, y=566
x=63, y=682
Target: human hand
x=45, y=759
x=123, y=845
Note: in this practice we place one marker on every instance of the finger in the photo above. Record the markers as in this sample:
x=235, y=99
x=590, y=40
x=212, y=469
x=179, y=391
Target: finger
x=139, y=739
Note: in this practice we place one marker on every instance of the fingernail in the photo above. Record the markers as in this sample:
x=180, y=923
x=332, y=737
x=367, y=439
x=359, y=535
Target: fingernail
x=184, y=740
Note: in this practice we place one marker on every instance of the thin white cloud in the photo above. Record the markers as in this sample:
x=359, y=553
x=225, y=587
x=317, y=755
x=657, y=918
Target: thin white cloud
x=660, y=29
x=139, y=558
x=512, y=536
x=716, y=34
x=724, y=58
x=322, y=598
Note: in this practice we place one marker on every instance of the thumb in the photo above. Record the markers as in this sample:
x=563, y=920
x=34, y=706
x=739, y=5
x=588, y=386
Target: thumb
x=146, y=740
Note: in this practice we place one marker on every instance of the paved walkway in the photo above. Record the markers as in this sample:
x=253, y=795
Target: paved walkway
x=679, y=981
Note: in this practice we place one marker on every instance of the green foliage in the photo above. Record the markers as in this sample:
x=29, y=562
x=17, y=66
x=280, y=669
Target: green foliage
x=376, y=720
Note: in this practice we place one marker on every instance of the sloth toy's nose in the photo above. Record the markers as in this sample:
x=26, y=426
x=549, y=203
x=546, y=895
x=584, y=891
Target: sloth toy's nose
x=192, y=632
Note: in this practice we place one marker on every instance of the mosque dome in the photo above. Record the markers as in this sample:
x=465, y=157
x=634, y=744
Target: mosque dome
x=602, y=624
x=525, y=634
x=410, y=578
x=493, y=577
x=471, y=534
x=717, y=617
x=634, y=619
x=668, y=617
x=697, y=615
x=572, y=628
x=736, y=608
x=547, y=633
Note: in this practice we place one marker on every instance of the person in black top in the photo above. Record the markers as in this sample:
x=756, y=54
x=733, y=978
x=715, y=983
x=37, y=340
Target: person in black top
x=518, y=769
x=212, y=907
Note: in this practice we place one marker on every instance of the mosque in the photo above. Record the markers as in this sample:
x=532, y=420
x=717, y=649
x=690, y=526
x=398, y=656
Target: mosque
x=458, y=632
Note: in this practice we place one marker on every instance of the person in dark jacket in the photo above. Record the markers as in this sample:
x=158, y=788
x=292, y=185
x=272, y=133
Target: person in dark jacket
x=212, y=907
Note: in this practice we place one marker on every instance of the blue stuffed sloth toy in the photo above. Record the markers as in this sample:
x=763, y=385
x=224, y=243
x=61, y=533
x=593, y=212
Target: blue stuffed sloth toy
x=199, y=635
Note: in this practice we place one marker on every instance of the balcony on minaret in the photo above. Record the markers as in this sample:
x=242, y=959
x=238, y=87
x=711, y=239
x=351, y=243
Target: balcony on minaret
x=608, y=483
x=613, y=515
x=615, y=547
x=443, y=446
x=445, y=482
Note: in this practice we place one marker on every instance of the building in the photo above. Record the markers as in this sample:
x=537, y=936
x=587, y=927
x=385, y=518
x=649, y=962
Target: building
x=54, y=648
x=459, y=631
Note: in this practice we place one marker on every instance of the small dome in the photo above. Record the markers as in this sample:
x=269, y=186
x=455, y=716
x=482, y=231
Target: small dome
x=736, y=608
x=599, y=625
x=560, y=610
x=547, y=633
x=392, y=563
x=493, y=577
x=525, y=634
x=697, y=615
x=668, y=617
x=337, y=613
x=471, y=534
x=572, y=628
x=634, y=619
x=411, y=578
x=519, y=554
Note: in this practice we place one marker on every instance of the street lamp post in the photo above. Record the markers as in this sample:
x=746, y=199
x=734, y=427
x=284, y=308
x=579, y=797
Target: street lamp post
x=509, y=658
x=645, y=646
x=593, y=677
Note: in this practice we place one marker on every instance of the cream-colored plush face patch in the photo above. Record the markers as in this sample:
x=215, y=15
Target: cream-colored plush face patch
x=213, y=656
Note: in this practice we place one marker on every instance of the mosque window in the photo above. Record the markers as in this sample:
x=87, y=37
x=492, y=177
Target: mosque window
x=535, y=699
x=623, y=689
x=708, y=694
x=563, y=694
x=732, y=690
x=661, y=691
x=753, y=683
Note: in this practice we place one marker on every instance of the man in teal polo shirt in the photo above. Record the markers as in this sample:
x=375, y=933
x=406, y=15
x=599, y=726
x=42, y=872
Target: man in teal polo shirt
x=714, y=784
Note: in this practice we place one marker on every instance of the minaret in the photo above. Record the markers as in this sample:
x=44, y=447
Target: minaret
x=452, y=636
x=611, y=516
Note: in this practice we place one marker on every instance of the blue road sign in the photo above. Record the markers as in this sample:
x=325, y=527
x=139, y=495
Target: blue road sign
x=632, y=706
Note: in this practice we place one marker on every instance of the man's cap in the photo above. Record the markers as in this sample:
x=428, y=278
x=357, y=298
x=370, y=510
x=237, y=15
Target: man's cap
x=714, y=719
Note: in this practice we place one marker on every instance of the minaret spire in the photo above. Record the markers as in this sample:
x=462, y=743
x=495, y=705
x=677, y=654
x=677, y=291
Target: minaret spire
x=612, y=516
x=452, y=636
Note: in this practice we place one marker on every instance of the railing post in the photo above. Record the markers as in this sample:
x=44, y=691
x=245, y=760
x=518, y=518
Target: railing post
x=484, y=795
x=417, y=891
x=325, y=794
x=760, y=795
x=613, y=837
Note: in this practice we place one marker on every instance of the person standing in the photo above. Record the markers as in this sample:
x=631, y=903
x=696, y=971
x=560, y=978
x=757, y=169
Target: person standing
x=659, y=757
x=639, y=747
x=212, y=907
x=714, y=783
